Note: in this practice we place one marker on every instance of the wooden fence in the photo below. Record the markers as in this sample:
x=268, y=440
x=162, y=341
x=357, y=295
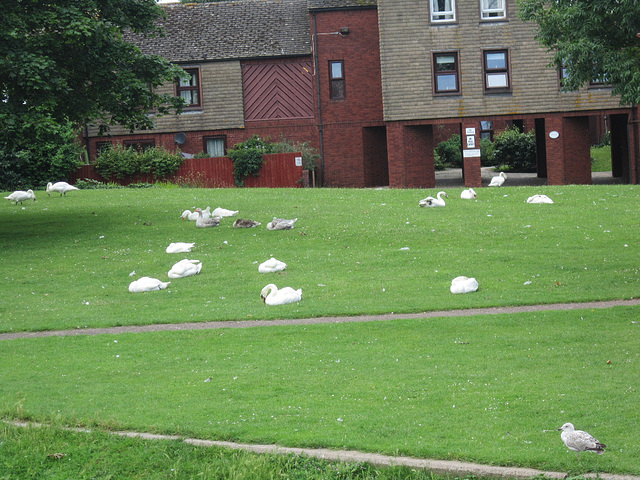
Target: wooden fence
x=278, y=170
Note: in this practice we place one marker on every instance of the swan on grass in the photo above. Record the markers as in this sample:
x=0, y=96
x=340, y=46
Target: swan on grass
x=272, y=296
x=498, y=180
x=434, y=202
x=147, y=284
x=61, y=187
x=180, y=247
x=271, y=266
x=539, y=199
x=185, y=268
x=21, y=196
x=245, y=223
x=223, y=212
x=193, y=216
x=580, y=441
x=463, y=284
x=202, y=222
x=468, y=194
x=281, y=224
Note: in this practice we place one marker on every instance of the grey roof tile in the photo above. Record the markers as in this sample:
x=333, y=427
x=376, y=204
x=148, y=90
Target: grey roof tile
x=340, y=4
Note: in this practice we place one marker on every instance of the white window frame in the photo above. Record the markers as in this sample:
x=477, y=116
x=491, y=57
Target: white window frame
x=444, y=15
x=493, y=13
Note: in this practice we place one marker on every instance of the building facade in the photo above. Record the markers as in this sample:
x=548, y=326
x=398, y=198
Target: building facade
x=374, y=86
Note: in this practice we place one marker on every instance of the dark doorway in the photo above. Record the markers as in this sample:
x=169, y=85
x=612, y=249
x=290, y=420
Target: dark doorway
x=376, y=162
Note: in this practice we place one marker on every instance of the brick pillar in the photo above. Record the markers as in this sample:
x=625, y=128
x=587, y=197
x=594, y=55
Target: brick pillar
x=577, y=150
x=471, y=155
x=554, y=148
x=395, y=154
x=410, y=152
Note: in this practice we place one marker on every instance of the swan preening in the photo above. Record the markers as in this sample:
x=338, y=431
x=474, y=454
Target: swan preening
x=61, y=187
x=21, y=196
x=498, y=180
x=180, y=247
x=185, y=268
x=271, y=266
x=272, y=296
x=463, y=285
x=202, y=222
x=245, y=223
x=539, y=199
x=281, y=224
x=147, y=284
x=468, y=194
x=580, y=441
x=434, y=202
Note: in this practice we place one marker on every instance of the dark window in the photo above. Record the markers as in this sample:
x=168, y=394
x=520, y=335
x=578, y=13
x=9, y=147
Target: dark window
x=139, y=145
x=336, y=78
x=486, y=130
x=496, y=71
x=446, y=73
x=189, y=88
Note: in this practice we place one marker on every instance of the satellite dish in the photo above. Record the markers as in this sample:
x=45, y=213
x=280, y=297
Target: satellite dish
x=180, y=138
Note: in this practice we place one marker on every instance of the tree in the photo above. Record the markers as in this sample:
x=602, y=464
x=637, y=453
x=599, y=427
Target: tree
x=591, y=40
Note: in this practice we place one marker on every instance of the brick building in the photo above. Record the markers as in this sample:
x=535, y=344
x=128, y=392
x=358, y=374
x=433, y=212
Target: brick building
x=374, y=86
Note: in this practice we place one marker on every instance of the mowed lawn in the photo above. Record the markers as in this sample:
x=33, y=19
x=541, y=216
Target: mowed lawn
x=491, y=389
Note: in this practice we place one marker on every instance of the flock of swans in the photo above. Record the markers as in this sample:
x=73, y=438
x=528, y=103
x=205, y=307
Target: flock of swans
x=20, y=196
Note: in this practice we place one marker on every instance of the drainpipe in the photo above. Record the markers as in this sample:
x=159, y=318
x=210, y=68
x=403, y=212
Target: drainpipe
x=315, y=68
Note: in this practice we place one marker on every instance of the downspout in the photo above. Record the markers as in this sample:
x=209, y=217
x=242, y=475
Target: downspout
x=315, y=68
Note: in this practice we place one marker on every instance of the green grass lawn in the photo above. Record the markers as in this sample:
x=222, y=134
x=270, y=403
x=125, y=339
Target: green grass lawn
x=601, y=159
x=489, y=389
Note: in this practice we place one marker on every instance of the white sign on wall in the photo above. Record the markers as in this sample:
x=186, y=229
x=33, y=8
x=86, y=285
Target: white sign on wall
x=470, y=131
x=298, y=161
x=471, y=141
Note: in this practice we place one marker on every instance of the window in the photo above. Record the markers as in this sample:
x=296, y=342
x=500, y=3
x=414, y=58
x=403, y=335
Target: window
x=443, y=10
x=486, y=130
x=189, y=88
x=496, y=71
x=214, y=146
x=445, y=70
x=139, y=145
x=336, y=76
x=492, y=9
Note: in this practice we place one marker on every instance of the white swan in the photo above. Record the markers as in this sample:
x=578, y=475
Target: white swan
x=281, y=224
x=180, y=247
x=245, y=223
x=223, y=212
x=147, y=284
x=272, y=296
x=580, y=441
x=202, y=222
x=272, y=265
x=539, y=199
x=468, y=194
x=498, y=180
x=434, y=202
x=61, y=187
x=463, y=285
x=21, y=196
x=185, y=268
x=188, y=215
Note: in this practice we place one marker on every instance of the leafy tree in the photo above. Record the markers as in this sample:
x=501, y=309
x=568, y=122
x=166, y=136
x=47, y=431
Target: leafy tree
x=515, y=150
x=592, y=40
x=449, y=153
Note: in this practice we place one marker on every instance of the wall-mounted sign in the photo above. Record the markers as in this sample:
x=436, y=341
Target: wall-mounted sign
x=470, y=131
x=554, y=134
x=298, y=161
x=471, y=141
x=471, y=153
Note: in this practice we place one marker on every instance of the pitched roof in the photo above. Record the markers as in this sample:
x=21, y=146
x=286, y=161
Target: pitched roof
x=341, y=4
x=231, y=30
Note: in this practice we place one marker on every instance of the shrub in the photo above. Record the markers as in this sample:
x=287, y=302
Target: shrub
x=310, y=155
x=449, y=152
x=247, y=158
x=515, y=150
x=160, y=162
x=120, y=162
x=487, y=148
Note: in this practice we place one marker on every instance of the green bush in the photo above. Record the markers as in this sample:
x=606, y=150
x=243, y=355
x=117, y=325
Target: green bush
x=247, y=158
x=310, y=155
x=120, y=162
x=487, y=148
x=449, y=152
x=514, y=150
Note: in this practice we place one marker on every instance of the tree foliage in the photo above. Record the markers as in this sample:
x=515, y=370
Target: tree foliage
x=593, y=40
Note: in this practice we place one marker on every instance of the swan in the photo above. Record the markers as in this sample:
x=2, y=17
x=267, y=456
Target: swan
x=147, y=284
x=202, y=222
x=20, y=196
x=463, y=285
x=272, y=265
x=434, y=202
x=272, y=296
x=281, y=224
x=498, y=180
x=539, y=199
x=61, y=187
x=243, y=223
x=580, y=441
x=188, y=215
x=468, y=194
x=185, y=268
x=223, y=212
x=180, y=247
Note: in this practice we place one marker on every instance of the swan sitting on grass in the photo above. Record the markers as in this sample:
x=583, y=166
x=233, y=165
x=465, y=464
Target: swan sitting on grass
x=271, y=266
x=539, y=199
x=147, y=284
x=468, y=194
x=223, y=212
x=434, y=202
x=185, y=268
x=272, y=296
x=202, y=222
x=463, y=285
x=281, y=224
x=180, y=247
